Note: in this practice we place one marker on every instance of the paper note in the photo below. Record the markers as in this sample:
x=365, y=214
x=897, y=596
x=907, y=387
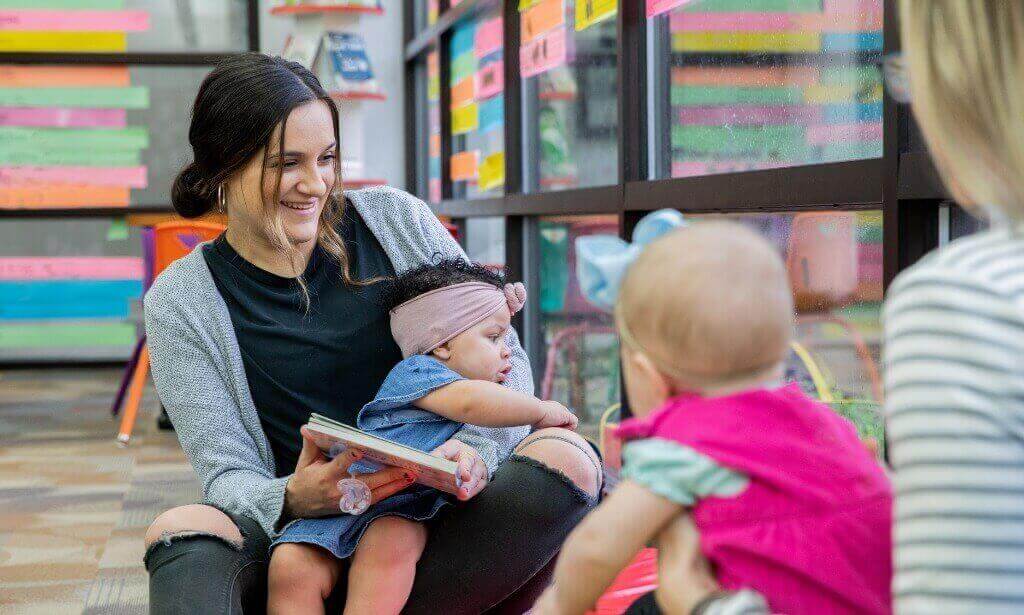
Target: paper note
x=463, y=66
x=55, y=117
x=104, y=5
x=464, y=165
x=97, y=98
x=32, y=76
x=128, y=177
x=36, y=157
x=462, y=39
x=525, y=4
x=590, y=12
x=835, y=133
x=81, y=21
x=462, y=92
x=434, y=147
x=489, y=37
x=118, y=230
x=490, y=80
x=71, y=268
x=657, y=7
x=134, y=137
x=542, y=17
x=62, y=195
x=433, y=87
x=91, y=42
x=492, y=171
x=63, y=336
x=768, y=42
x=465, y=119
x=543, y=54
x=737, y=22
x=434, y=190
x=492, y=114
x=750, y=115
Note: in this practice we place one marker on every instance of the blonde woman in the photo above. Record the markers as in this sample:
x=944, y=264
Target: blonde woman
x=954, y=323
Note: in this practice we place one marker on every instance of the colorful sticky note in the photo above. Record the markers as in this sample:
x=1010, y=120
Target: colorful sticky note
x=767, y=42
x=80, y=21
x=57, y=117
x=39, y=157
x=489, y=37
x=118, y=230
x=71, y=268
x=543, y=54
x=492, y=171
x=590, y=12
x=491, y=114
x=86, y=42
x=95, y=98
x=463, y=166
x=463, y=37
x=55, y=196
x=31, y=76
x=106, y=5
x=463, y=66
x=490, y=80
x=53, y=335
x=128, y=177
x=134, y=137
x=434, y=190
x=462, y=92
x=542, y=17
x=465, y=119
x=525, y=4
x=657, y=7
x=434, y=146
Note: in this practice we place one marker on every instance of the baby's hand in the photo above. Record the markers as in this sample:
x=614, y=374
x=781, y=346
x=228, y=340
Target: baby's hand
x=556, y=415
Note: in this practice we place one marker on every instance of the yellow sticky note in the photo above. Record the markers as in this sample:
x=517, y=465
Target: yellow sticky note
x=492, y=171
x=590, y=12
x=97, y=42
x=465, y=119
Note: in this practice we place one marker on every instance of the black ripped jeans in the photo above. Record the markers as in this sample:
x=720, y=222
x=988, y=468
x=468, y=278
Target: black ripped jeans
x=494, y=554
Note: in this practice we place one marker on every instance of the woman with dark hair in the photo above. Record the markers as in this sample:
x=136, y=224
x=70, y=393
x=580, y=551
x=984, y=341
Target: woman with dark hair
x=282, y=316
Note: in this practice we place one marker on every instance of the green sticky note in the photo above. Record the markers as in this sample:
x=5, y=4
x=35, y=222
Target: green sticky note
x=774, y=95
x=56, y=335
x=135, y=137
x=27, y=155
x=93, y=97
x=118, y=230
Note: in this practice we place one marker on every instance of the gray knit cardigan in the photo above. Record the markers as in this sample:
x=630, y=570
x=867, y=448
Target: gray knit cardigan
x=198, y=371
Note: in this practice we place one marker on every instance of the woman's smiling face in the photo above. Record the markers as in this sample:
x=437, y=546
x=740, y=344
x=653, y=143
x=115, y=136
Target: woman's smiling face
x=308, y=171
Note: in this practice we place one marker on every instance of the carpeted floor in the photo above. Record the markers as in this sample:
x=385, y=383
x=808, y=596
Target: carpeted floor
x=73, y=505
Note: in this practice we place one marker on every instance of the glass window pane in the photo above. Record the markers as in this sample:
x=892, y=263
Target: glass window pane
x=477, y=107
x=485, y=241
x=770, y=84
x=571, y=137
x=580, y=353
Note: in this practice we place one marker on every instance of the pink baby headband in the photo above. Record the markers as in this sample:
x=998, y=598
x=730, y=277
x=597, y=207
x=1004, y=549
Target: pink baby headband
x=423, y=323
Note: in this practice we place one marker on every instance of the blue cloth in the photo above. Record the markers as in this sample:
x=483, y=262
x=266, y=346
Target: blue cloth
x=390, y=415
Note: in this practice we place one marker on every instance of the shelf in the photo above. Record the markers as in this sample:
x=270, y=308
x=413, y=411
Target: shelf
x=356, y=184
x=312, y=9
x=358, y=95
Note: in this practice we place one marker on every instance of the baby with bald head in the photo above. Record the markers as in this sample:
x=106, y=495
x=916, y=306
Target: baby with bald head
x=785, y=498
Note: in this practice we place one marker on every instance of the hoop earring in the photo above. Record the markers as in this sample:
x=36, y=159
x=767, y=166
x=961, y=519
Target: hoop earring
x=221, y=200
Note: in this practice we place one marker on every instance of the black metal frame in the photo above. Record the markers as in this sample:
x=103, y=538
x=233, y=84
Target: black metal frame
x=122, y=59
x=903, y=185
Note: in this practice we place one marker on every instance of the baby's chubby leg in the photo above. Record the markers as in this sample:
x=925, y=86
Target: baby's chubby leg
x=384, y=566
x=301, y=577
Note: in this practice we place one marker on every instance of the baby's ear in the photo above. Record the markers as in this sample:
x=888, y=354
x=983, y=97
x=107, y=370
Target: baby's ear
x=442, y=352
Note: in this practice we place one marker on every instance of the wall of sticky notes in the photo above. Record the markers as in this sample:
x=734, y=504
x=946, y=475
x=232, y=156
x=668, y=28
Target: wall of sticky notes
x=477, y=113
x=763, y=84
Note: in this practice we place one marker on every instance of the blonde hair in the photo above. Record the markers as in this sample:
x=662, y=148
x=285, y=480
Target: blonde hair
x=708, y=305
x=966, y=68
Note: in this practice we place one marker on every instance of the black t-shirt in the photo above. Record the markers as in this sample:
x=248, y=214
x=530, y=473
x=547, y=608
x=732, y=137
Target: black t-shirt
x=330, y=359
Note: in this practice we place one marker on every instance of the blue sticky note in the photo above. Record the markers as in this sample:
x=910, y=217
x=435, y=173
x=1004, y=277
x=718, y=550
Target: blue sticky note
x=492, y=113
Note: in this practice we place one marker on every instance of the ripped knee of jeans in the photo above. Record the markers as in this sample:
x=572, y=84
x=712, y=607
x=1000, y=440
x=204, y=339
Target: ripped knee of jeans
x=587, y=477
x=171, y=539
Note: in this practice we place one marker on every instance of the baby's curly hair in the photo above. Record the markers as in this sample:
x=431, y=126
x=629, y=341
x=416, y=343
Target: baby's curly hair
x=431, y=276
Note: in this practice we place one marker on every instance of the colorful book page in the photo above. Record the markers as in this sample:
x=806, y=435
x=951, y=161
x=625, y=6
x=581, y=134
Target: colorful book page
x=82, y=21
x=490, y=80
x=55, y=196
x=542, y=17
x=462, y=92
x=126, y=177
x=492, y=114
x=543, y=54
x=56, y=117
x=590, y=12
x=71, y=42
x=95, y=97
x=657, y=7
x=492, y=171
x=463, y=166
x=32, y=76
x=71, y=268
x=465, y=119
x=489, y=37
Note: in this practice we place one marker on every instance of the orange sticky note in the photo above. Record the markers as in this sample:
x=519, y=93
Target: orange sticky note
x=435, y=145
x=54, y=196
x=541, y=17
x=20, y=76
x=464, y=165
x=462, y=92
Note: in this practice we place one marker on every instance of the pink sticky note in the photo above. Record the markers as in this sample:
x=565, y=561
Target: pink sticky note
x=71, y=268
x=823, y=134
x=489, y=37
x=490, y=80
x=56, y=117
x=733, y=22
x=127, y=177
x=73, y=21
x=434, y=190
x=543, y=53
x=657, y=7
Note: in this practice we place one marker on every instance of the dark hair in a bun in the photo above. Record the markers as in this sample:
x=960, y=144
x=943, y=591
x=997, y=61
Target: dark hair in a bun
x=191, y=193
x=239, y=104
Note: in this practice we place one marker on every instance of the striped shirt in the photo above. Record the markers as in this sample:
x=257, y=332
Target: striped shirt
x=954, y=374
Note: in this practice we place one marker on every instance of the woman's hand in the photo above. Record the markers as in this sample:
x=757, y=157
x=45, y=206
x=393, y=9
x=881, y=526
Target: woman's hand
x=312, y=490
x=472, y=469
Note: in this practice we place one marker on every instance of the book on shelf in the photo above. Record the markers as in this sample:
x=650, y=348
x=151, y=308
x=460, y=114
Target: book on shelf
x=333, y=438
x=350, y=63
x=302, y=49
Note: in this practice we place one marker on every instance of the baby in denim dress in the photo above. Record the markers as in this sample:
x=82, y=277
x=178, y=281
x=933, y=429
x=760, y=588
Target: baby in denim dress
x=450, y=320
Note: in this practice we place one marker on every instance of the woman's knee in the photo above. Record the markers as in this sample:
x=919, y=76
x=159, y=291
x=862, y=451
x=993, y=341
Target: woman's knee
x=193, y=520
x=568, y=453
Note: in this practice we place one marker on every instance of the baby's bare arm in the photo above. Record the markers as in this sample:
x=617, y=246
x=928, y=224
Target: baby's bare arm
x=489, y=404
